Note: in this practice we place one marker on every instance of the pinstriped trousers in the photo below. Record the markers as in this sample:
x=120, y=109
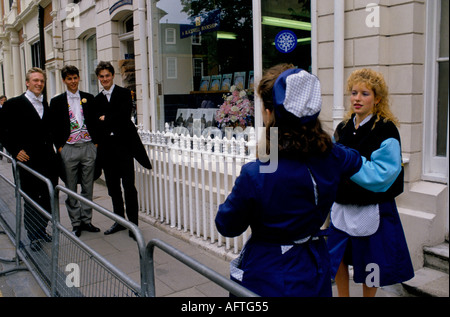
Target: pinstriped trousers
x=78, y=164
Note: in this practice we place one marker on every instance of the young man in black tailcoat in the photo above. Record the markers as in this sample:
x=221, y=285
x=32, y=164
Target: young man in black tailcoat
x=119, y=145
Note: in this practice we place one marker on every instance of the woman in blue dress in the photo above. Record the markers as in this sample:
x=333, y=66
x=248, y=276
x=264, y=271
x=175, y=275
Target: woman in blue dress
x=286, y=206
x=365, y=230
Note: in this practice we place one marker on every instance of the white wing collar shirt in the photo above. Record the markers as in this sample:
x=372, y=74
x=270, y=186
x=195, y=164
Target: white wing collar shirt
x=75, y=105
x=36, y=102
x=108, y=93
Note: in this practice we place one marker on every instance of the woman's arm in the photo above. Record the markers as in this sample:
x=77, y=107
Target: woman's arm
x=383, y=168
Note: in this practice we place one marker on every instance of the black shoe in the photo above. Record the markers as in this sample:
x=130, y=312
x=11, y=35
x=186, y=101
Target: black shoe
x=114, y=228
x=89, y=227
x=35, y=245
x=131, y=235
x=77, y=231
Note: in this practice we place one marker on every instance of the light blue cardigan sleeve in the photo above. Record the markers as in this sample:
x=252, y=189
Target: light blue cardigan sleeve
x=382, y=170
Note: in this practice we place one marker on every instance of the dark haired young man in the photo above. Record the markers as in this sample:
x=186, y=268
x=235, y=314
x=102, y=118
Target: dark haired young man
x=119, y=145
x=73, y=129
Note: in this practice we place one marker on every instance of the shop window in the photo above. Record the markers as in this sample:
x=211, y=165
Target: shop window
x=286, y=33
x=212, y=42
x=203, y=48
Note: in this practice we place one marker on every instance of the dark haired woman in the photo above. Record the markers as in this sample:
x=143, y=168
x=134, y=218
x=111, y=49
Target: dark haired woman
x=285, y=208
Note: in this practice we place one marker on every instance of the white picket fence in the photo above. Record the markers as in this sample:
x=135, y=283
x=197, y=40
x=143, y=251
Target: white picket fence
x=190, y=178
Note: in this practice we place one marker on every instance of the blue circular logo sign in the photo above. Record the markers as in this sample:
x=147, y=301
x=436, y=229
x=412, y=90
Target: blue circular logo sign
x=286, y=41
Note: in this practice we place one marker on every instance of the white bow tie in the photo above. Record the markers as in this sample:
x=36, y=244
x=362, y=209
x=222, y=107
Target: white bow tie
x=107, y=93
x=40, y=98
x=72, y=96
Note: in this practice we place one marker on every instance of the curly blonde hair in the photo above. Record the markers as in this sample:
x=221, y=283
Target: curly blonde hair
x=375, y=81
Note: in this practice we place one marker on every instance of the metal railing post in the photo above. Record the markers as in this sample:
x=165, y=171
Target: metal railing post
x=18, y=208
x=231, y=286
x=55, y=241
x=54, y=206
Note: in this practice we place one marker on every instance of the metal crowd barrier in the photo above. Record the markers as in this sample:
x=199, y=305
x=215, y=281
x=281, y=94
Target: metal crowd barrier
x=12, y=221
x=229, y=285
x=7, y=202
x=92, y=275
x=100, y=277
x=67, y=253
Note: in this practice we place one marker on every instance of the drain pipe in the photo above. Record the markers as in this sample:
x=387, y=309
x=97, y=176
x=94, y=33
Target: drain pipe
x=338, y=93
x=314, y=41
x=144, y=64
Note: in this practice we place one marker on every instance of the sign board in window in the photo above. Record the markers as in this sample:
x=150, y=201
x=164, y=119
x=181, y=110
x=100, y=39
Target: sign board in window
x=203, y=23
